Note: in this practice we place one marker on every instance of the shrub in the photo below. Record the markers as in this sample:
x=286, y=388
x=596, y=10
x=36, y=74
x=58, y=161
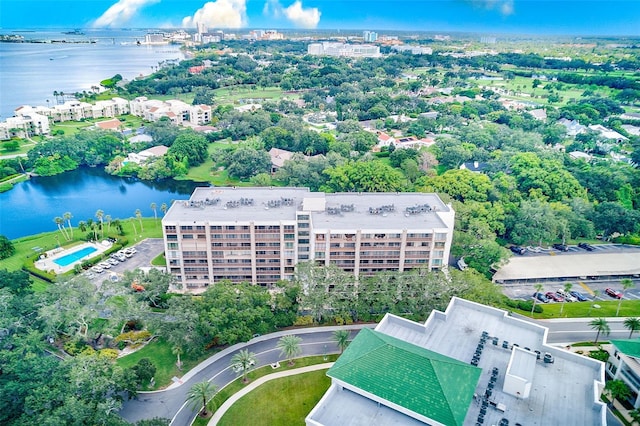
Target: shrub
x=527, y=305
x=303, y=320
x=600, y=355
x=133, y=337
x=108, y=353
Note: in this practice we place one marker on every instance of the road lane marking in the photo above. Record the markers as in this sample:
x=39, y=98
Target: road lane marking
x=586, y=288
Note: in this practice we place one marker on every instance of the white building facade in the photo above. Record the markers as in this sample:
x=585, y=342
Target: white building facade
x=258, y=235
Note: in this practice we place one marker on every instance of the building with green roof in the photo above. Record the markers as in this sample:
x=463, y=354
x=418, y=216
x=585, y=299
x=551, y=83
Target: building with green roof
x=624, y=364
x=467, y=366
x=420, y=382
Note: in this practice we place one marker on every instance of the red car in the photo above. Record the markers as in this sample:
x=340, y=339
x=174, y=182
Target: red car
x=553, y=296
x=613, y=293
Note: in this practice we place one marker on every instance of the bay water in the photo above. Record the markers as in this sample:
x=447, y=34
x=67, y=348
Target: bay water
x=31, y=72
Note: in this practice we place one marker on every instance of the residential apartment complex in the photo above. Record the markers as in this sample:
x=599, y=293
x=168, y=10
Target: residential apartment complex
x=260, y=234
x=470, y=365
x=32, y=121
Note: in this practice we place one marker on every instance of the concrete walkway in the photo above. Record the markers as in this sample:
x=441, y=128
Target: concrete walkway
x=253, y=385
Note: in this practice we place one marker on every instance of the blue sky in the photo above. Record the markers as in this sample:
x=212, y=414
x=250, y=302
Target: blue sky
x=573, y=17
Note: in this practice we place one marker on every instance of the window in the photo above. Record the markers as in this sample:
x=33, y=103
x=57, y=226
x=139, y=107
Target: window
x=170, y=228
x=441, y=236
x=303, y=217
x=187, y=237
x=186, y=228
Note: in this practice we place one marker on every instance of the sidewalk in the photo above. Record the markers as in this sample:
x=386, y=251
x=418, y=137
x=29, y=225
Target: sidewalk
x=253, y=385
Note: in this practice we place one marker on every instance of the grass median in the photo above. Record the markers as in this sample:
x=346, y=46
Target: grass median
x=281, y=402
x=237, y=385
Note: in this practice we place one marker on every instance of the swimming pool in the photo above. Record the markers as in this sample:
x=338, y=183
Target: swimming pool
x=68, y=259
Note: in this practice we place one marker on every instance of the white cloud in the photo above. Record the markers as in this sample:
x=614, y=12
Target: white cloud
x=302, y=18
x=296, y=14
x=120, y=13
x=219, y=14
x=505, y=7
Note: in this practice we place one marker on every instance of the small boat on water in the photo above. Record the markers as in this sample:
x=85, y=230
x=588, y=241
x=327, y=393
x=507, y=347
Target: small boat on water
x=74, y=32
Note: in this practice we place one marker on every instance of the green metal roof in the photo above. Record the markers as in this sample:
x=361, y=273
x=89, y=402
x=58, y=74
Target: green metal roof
x=628, y=347
x=425, y=382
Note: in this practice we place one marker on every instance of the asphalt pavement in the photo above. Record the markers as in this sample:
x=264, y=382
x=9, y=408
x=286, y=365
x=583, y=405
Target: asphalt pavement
x=170, y=403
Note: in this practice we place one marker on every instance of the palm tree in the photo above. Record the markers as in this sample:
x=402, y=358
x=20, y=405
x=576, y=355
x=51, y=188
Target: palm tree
x=632, y=324
x=108, y=219
x=82, y=226
x=635, y=416
x=242, y=362
x=199, y=394
x=163, y=208
x=289, y=346
x=538, y=287
x=626, y=285
x=59, y=221
x=341, y=337
x=601, y=326
x=617, y=389
x=567, y=289
x=177, y=351
x=67, y=216
x=135, y=231
x=100, y=216
x=139, y=216
x=154, y=207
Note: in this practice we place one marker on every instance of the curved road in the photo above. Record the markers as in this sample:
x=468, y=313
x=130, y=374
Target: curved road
x=170, y=403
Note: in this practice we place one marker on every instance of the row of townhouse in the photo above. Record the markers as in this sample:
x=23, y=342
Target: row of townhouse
x=24, y=126
x=180, y=113
x=31, y=121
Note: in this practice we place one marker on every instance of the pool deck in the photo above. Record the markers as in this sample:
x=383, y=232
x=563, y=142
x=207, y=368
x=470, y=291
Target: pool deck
x=48, y=263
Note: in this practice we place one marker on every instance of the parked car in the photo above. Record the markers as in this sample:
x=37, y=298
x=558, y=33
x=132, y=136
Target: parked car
x=587, y=247
x=579, y=296
x=567, y=297
x=104, y=265
x=554, y=296
x=561, y=247
x=518, y=250
x=541, y=297
x=613, y=293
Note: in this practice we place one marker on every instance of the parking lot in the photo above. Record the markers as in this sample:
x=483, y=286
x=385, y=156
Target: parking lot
x=586, y=287
x=574, y=249
x=146, y=251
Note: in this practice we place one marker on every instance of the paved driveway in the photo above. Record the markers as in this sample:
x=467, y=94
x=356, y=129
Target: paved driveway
x=146, y=251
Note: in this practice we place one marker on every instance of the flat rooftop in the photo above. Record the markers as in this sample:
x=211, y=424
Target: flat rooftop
x=346, y=408
x=564, y=392
x=570, y=381
x=328, y=211
x=569, y=265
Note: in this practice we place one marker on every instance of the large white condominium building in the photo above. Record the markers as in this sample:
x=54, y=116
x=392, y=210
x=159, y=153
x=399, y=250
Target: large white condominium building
x=258, y=235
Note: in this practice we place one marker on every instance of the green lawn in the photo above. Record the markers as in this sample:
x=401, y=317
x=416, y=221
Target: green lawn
x=159, y=352
x=50, y=240
x=237, y=385
x=232, y=94
x=607, y=308
x=24, y=147
x=280, y=402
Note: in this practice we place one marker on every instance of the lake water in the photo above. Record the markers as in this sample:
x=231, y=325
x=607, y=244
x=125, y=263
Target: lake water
x=31, y=72
x=30, y=207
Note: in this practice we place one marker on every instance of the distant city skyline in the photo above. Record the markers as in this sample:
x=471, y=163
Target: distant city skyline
x=564, y=17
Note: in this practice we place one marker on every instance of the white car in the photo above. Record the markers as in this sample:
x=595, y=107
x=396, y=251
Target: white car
x=104, y=265
x=97, y=269
x=237, y=368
